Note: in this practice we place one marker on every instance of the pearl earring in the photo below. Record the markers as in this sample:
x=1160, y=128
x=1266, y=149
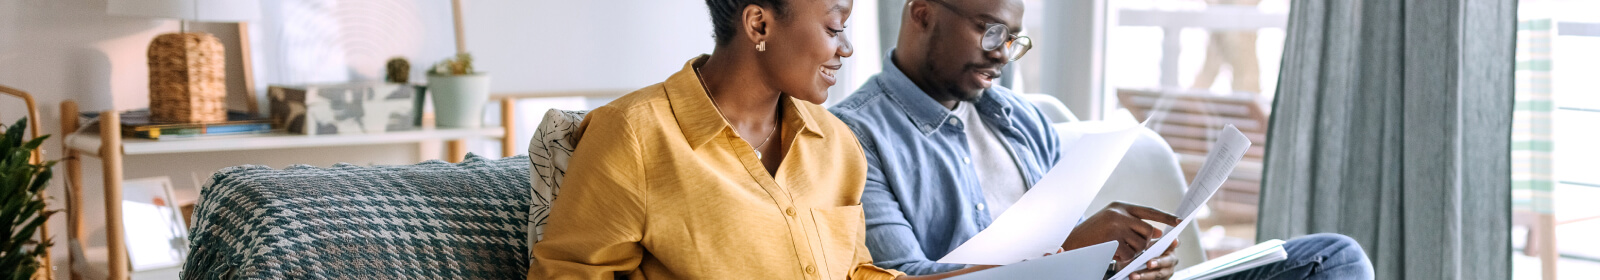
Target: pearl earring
x=761, y=47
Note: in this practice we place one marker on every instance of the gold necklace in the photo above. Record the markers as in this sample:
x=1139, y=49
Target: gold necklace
x=757, y=148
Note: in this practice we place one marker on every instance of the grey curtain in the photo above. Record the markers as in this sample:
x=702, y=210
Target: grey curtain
x=1392, y=125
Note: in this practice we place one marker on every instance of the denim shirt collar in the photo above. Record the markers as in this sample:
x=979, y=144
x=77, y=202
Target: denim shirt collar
x=927, y=114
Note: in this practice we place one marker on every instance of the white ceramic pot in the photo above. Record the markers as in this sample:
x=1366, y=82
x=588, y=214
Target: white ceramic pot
x=458, y=100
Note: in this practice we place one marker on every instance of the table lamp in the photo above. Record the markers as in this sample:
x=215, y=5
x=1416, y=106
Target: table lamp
x=187, y=68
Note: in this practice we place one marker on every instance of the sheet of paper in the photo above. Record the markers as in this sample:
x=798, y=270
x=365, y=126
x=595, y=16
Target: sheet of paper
x=1046, y=214
x=1152, y=252
x=1224, y=156
x=1087, y=263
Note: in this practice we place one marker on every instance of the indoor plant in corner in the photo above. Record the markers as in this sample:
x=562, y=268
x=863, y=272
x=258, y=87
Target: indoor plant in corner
x=22, y=211
x=459, y=93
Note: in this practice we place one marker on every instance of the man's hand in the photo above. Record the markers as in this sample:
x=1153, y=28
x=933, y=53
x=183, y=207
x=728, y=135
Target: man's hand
x=1159, y=268
x=1122, y=222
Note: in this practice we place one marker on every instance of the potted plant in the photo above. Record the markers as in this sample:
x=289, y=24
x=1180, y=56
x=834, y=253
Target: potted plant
x=459, y=93
x=22, y=211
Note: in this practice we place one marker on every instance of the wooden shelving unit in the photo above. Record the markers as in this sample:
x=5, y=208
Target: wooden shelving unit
x=107, y=145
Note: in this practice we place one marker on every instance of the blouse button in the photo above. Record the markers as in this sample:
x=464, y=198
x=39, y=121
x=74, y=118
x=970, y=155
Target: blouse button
x=789, y=211
x=953, y=121
x=980, y=206
x=811, y=269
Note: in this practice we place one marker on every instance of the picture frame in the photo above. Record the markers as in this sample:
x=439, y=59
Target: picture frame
x=153, y=225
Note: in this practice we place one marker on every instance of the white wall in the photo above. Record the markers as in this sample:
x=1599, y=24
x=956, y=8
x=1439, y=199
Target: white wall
x=584, y=45
x=543, y=46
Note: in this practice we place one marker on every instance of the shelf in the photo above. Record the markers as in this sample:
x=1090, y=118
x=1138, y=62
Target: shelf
x=89, y=142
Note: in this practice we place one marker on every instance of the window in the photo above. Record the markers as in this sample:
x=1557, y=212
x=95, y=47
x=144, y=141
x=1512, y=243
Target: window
x=1190, y=67
x=1553, y=151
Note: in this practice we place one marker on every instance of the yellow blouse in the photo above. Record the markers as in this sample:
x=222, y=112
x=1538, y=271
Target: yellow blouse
x=660, y=187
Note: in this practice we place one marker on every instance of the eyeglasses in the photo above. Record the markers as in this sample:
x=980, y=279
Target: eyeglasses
x=996, y=36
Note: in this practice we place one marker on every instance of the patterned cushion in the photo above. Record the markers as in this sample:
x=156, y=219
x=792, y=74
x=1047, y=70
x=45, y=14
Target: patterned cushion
x=549, y=151
x=432, y=220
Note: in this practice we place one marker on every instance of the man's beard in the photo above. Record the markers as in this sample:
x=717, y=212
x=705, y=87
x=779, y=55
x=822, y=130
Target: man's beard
x=950, y=87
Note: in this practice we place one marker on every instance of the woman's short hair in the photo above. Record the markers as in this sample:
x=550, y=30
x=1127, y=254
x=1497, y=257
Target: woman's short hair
x=725, y=15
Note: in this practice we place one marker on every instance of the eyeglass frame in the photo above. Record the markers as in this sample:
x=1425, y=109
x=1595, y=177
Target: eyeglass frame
x=1006, y=40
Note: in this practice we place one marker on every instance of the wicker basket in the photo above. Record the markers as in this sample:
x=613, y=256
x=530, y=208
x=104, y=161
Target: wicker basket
x=186, y=78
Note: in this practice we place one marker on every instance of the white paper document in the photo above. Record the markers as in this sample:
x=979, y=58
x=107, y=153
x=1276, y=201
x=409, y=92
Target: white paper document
x=1220, y=161
x=1087, y=263
x=1224, y=156
x=1042, y=219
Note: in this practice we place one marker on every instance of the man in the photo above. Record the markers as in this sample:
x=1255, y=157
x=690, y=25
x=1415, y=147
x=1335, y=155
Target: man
x=947, y=152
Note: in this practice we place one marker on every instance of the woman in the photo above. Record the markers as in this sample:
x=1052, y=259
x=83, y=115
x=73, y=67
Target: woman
x=727, y=170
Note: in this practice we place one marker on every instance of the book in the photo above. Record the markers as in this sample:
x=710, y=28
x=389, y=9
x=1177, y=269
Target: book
x=137, y=124
x=1261, y=254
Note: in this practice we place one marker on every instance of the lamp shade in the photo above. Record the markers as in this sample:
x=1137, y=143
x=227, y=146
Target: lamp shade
x=189, y=10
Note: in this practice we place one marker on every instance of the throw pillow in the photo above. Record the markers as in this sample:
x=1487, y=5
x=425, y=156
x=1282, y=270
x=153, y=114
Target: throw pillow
x=549, y=151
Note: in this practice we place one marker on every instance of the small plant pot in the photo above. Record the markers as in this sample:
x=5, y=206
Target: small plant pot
x=458, y=100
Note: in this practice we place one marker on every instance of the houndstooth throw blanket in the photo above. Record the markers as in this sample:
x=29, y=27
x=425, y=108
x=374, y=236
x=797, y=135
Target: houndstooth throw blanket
x=432, y=220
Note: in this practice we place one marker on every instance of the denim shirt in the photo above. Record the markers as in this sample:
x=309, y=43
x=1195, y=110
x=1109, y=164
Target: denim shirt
x=922, y=198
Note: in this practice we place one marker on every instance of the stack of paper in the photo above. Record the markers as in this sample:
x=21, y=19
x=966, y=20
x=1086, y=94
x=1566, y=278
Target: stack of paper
x=1225, y=154
x=1037, y=224
x=1087, y=263
x=1258, y=255
x=1033, y=227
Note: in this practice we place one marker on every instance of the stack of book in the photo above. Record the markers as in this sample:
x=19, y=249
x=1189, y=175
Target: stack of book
x=137, y=124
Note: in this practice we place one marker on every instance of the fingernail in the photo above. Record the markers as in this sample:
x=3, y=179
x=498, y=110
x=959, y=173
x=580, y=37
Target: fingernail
x=1152, y=263
x=1134, y=277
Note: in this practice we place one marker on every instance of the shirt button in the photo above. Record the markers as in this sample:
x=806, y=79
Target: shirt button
x=811, y=269
x=966, y=160
x=953, y=121
x=980, y=206
x=789, y=211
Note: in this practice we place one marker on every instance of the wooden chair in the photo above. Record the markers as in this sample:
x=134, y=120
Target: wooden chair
x=1189, y=120
x=38, y=156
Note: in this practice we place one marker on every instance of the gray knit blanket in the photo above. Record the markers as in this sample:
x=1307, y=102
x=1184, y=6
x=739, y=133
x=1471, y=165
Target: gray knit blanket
x=432, y=220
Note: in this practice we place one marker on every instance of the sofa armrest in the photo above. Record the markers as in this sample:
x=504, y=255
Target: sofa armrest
x=429, y=220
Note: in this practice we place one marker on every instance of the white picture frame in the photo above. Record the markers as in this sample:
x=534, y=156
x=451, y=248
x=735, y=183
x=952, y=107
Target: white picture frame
x=153, y=226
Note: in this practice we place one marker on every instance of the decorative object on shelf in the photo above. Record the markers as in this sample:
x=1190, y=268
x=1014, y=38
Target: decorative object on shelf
x=186, y=85
x=459, y=93
x=139, y=124
x=399, y=70
x=21, y=252
x=187, y=68
x=344, y=108
x=156, y=235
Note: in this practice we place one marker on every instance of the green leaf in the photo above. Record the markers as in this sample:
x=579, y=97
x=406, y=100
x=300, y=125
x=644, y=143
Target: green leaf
x=22, y=213
x=35, y=143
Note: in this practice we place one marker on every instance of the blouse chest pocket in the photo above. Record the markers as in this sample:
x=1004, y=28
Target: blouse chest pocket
x=841, y=230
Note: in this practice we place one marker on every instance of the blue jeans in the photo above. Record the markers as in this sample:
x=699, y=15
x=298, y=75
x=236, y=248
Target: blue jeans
x=1316, y=256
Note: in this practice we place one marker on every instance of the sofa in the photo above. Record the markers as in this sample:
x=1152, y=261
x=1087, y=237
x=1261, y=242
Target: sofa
x=476, y=219
x=432, y=220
